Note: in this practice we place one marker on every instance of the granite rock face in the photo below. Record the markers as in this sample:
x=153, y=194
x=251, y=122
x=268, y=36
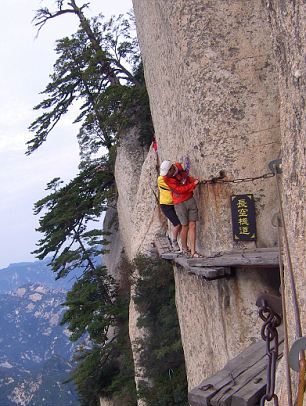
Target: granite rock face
x=226, y=83
x=139, y=219
x=213, y=94
x=114, y=255
x=214, y=97
x=138, y=211
x=289, y=39
x=288, y=32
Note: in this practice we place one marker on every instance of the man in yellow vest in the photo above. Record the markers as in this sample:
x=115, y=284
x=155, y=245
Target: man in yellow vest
x=166, y=204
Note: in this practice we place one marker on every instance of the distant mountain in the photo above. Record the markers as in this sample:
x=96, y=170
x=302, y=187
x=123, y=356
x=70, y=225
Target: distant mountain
x=41, y=386
x=16, y=275
x=29, y=326
x=34, y=350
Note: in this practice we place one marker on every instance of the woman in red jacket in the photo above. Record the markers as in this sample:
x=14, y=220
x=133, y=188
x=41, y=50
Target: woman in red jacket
x=182, y=187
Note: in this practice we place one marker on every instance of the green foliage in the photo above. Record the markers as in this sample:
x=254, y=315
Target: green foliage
x=106, y=368
x=84, y=72
x=91, y=376
x=96, y=308
x=88, y=310
x=162, y=353
x=65, y=215
x=137, y=102
x=100, y=69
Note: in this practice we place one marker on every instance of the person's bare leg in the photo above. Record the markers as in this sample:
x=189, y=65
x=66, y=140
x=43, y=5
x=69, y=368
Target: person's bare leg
x=176, y=231
x=192, y=236
x=184, y=233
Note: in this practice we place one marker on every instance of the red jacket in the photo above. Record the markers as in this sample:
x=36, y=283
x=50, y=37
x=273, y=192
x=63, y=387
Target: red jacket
x=181, y=185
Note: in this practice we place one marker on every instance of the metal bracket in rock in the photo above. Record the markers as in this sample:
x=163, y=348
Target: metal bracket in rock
x=294, y=354
x=275, y=166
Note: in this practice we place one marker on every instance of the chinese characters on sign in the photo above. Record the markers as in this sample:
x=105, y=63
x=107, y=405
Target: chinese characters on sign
x=243, y=217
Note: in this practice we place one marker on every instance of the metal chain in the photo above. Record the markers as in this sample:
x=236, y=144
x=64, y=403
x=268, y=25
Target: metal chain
x=220, y=179
x=270, y=335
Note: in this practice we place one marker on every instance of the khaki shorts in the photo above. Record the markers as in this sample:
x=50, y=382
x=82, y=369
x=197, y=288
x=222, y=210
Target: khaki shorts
x=187, y=211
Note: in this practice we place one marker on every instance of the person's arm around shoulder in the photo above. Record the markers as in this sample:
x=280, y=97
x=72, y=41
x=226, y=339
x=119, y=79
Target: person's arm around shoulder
x=177, y=188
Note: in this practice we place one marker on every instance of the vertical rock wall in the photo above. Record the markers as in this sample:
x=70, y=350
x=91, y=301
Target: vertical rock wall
x=213, y=95
x=115, y=261
x=213, y=90
x=136, y=180
x=288, y=30
x=114, y=257
x=132, y=225
x=288, y=22
x=212, y=86
x=139, y=220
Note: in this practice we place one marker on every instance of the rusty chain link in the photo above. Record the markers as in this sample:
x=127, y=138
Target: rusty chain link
x=220, y=179
x=269, y=334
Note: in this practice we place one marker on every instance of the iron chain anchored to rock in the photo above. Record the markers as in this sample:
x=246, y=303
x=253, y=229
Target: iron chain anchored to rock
x=222, y=178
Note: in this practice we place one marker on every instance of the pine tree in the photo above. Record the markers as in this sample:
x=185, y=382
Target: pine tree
x=91, y=70
x=107, y=107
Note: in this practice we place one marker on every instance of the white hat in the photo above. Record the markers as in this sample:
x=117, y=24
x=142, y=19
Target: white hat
x=164, y=168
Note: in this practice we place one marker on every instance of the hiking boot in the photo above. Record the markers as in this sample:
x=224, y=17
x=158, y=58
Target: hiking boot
x=175, y=246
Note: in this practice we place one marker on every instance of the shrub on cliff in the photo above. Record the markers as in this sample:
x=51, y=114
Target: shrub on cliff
x=161, y=352
x=105, y=363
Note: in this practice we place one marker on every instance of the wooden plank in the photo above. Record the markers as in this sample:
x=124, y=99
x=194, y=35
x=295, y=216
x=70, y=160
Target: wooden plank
x=251, y=393
x=252, y=390
x=225, y=395
x=169, y=256
x=210, y=273
x=195, y=398
x=266, y=249
x=162, y=245
x=203, y=393
x=250, y=258
x=242, y=377
x=250, y=356
x=212, y=385
x=182, y=261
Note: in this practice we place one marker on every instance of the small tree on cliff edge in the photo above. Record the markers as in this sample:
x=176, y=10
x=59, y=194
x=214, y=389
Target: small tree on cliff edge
x=91, y=70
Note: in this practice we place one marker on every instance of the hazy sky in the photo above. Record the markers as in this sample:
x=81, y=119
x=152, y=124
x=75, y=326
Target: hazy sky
x=26, y=62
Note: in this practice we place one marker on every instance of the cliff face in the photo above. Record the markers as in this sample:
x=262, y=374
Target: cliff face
x=213, y=96
x=136, y=174
x=138, y=219
x=217, y=94
x=287, y=21
x=288, y=32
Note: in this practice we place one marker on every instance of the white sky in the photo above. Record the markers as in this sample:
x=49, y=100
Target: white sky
x=26, y=62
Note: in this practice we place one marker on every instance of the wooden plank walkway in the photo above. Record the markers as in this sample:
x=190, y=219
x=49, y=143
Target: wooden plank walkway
x=264, y=257
x=209, y=273
x=242, y=382
x=221, y=264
